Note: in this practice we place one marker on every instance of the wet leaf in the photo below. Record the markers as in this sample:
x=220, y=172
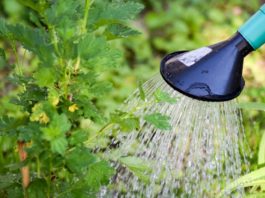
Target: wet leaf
x=79, y=159
x=252, y=106
x=162, y=96
x=253, y=178
x=158, y=120
x=98, y=174
x=261, y=154
x=129, y=124
x=138, y=166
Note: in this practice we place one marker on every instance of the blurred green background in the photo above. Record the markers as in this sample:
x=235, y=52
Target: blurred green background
x=165, y=26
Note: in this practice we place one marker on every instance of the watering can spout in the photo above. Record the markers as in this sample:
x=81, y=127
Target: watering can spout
x=214, y=73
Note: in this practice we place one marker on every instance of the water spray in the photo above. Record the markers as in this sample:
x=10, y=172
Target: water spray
x=205, y=149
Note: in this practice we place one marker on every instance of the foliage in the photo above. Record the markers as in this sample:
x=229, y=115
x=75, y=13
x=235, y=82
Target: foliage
x=69, y=71
x=71, y=42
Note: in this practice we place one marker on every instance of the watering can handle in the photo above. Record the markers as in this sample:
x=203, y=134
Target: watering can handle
x=254, y=29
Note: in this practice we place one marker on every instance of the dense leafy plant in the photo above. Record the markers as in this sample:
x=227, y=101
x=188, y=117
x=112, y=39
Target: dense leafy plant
x=182, y=24
x=58, y=103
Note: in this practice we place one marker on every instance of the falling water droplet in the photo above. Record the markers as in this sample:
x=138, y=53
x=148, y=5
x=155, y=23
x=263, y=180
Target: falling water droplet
x=196, y=158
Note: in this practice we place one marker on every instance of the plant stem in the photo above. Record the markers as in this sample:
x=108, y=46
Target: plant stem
x=77, y=64
x=38, y=167
x=48, y=178
x=18, y=66
x=54, y=41
x=101, y=131
x=84, y=24
x=25, y=169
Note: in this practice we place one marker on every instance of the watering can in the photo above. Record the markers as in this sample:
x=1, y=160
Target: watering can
x=214, y=73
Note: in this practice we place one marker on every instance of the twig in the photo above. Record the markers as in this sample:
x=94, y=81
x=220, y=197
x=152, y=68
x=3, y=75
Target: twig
x=25, y=169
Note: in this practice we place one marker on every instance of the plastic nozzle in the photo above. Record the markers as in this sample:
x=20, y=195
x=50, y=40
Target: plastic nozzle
x=254, y=29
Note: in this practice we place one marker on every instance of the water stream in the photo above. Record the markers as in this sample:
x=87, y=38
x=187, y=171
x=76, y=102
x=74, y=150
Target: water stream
x=204, y=150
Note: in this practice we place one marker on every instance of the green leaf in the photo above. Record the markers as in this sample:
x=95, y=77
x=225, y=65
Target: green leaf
x=8, y=180
x=65, y=16
x=252, y=106
x=61, y=121
x=38, y=188
x=34, y=40
x=28, y=131
x=78, y=137
x=55, y=133
x=9, y=126
x=126, y=122
x=158, y=120
x=45, y=76
x=59, y=145
x=253, y=178
x=99, y=174
x=107, y=12
x=96, y=52
x=115, y=31
x=59, y=11
x=79, y=159
x=138, y=166
x=261, y=155
x=57, y=128
x=162, y=96
x=129, y=124
x=89, y=109
x=30, y=96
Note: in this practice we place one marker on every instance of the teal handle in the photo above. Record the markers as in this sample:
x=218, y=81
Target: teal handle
x=254, y=29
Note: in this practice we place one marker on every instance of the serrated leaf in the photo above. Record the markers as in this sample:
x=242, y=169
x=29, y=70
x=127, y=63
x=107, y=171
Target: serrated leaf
x=55, y=133
x=158, y=120
x=59, y=11
x=64, y=15
x=45, y=76
x=79, y=159
x=59, y=145
x=37, y=188
x=8, y=180
x=78, y=137
x=89, y=109
x=34, y=40
x=9, y=126
x=96, y=52
x=28, y=131
x=30, y=96
x=138, y=166
x=107, y=12
x=162, y=96
x=99, y=174
x=129, y=124
x=100, y=88
x=57, y=128
x=62, y=122
x=115, y=31
x=125, y=121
